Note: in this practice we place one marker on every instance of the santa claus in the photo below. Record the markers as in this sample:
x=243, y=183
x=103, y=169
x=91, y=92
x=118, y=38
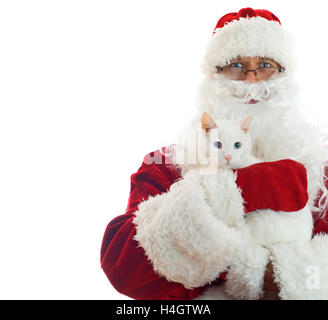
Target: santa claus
x=170, y=243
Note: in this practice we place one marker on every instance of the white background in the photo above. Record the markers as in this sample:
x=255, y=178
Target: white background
x=87, y=88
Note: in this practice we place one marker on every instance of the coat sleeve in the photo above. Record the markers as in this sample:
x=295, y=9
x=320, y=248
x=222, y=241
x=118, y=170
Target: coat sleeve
x=321, y=219
x=122, y=259
x=170, y=243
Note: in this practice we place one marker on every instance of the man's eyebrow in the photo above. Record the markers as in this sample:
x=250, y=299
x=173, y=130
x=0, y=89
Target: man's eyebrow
x=262, y=59
x=244, y=59
x=237, y=60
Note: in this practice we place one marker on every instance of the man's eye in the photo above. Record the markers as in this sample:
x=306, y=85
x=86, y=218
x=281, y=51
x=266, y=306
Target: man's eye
x=237, y=65
x=265, y=65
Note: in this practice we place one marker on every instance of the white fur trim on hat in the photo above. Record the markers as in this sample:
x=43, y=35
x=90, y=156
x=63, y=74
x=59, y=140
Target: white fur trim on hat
x=252, y=37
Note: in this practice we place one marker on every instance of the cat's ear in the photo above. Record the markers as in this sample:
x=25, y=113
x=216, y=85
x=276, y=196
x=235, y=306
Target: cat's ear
x=245, y=123
x=208, y=122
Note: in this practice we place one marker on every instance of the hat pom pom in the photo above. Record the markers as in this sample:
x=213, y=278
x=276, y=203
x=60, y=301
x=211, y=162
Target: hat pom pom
x=247, y=12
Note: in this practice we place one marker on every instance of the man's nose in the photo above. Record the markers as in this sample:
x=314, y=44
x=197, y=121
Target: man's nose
x=228, y=158
x=252, y=76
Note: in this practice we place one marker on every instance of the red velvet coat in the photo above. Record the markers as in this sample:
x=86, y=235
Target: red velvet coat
x=280, y=185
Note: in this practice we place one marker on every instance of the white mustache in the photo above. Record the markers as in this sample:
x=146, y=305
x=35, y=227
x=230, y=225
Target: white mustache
x=244, y=91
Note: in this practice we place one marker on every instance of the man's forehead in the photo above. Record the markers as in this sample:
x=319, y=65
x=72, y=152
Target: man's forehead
x=256, y=58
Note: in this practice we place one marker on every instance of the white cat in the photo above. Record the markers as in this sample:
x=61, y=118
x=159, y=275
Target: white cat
x=230, y=143
x=229, y=147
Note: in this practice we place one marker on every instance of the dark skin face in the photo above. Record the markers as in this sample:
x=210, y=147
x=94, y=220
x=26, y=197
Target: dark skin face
x=252, y=63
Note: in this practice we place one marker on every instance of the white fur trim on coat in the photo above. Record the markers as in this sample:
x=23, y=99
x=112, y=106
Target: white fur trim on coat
x=301, y=269
x=269, y=227
x=181, y=231
x=245, y=277
x=246, y=273
x=255, y=36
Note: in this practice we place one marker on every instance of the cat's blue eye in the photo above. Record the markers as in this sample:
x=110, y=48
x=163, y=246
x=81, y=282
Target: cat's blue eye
x=218, y=144
x=265, y=65
x=237, y=145
x=237, y=65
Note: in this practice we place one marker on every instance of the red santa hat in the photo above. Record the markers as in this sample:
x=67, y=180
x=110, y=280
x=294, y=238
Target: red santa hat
x=245, y=33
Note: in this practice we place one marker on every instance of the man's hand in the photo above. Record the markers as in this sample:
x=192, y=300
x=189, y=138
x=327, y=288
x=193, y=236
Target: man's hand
x=270, y=288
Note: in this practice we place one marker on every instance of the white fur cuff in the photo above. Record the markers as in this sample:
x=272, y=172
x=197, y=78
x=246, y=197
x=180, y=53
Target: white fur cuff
x=182, y=234
x=245, y=277
x=301, y=269
x=246, y=274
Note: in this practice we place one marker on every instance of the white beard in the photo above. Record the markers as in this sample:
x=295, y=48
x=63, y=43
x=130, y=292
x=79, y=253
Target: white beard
x=244, y=91
x=279, y=130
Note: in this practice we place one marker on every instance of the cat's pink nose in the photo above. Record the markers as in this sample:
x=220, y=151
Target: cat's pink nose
x=228, y=158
